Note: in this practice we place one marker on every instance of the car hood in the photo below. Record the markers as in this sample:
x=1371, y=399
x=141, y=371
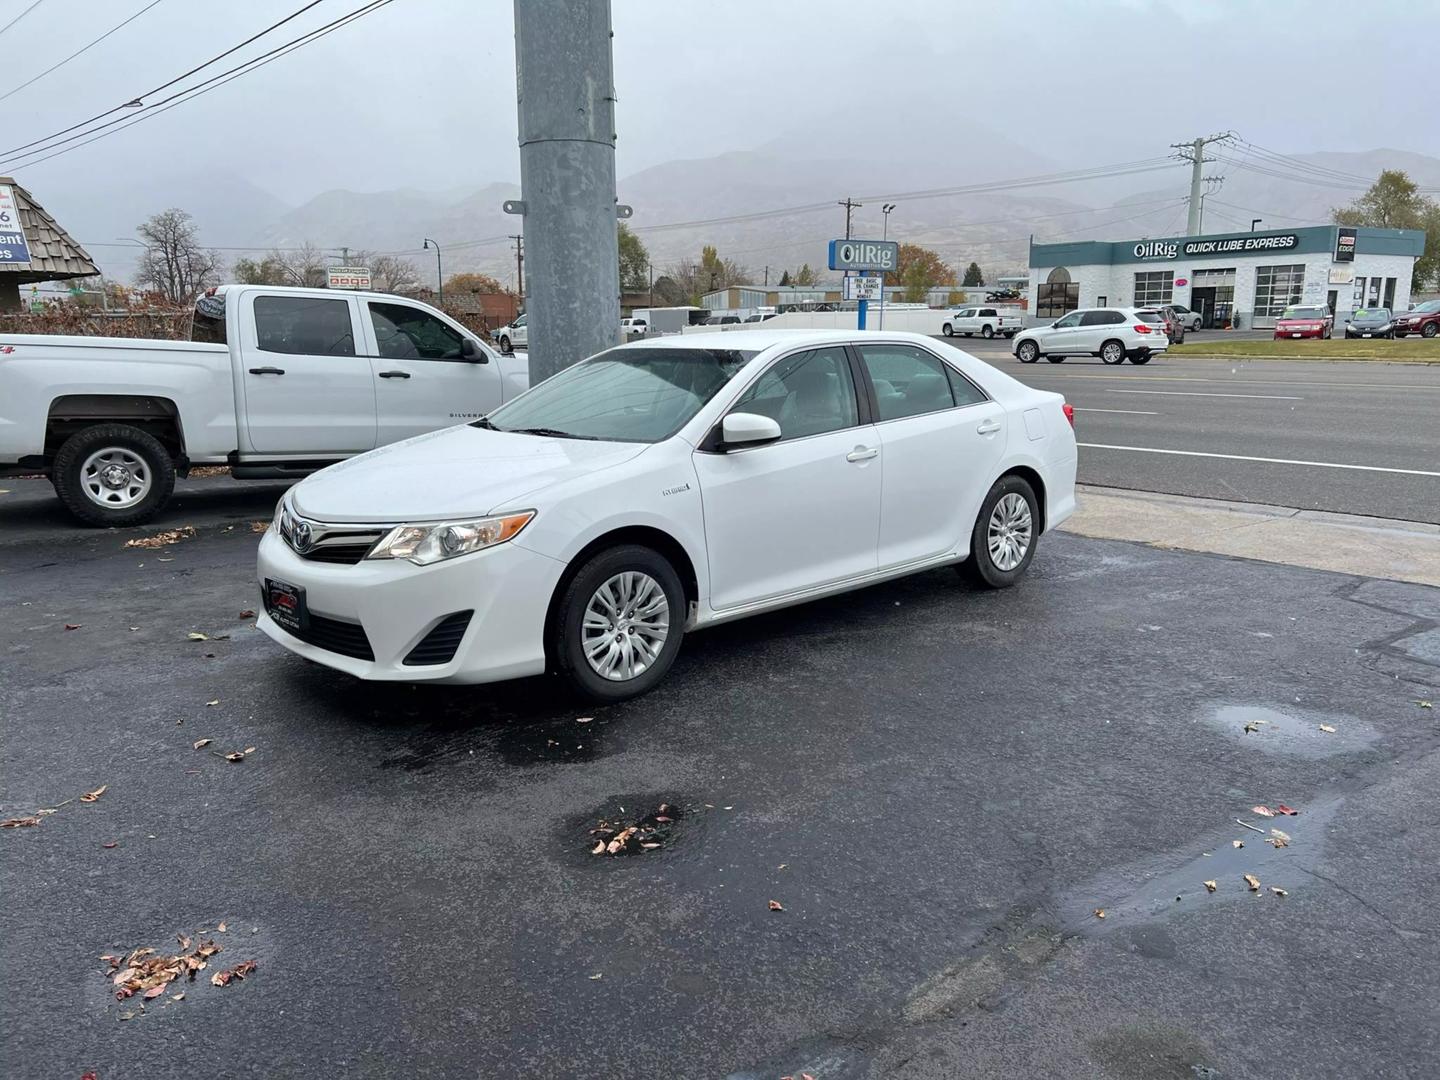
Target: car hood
x=456, y=472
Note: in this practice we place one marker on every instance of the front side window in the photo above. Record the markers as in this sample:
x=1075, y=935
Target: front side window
x=627, y=394
x=406, y=333
x=1153, y=288
x=908, y=381
x=1073, y=319
x=303, y=325
x=1278, y=287
x=809, y=393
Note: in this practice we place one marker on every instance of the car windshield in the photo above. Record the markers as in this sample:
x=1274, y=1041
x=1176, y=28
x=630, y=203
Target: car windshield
x=623, y=395
x=1429, y=307
x=1304, y=313
x=1373, y=313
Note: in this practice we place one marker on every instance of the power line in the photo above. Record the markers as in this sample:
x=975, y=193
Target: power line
x=22, y=14
x=77, y=52
x=190, y=93
x=163, y=86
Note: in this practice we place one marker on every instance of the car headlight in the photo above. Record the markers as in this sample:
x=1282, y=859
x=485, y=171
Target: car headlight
x=436, y=541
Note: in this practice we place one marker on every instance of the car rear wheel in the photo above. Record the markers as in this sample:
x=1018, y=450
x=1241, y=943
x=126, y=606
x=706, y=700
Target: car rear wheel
x=948, y=330
x=1003, y=540
x=987, y=332
x=619, y=623
x=113, y=475
x=1028, y=352
x=1113, y=352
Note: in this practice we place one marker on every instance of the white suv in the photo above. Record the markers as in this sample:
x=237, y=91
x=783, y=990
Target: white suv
x=516, y=335
x=985, y=321
x=1113, y=334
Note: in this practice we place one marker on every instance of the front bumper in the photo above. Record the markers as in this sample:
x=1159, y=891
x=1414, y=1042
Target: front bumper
x=397, y=604
x=1292, y=335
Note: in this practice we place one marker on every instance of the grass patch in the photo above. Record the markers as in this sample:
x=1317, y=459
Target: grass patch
x=1412, y=349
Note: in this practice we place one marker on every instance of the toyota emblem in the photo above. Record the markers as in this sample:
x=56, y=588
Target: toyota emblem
x=300, y=536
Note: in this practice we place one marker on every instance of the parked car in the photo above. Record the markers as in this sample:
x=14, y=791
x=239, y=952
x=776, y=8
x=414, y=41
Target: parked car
x=1304, y=321
x=1191, y=319
x=985, y=321
x=1170, y=319
x=1370, y=323
x=753, y=470
x=1422, y=319
x=276, y=382
x=516, y=335
x=634, y=326
x=1113, y=334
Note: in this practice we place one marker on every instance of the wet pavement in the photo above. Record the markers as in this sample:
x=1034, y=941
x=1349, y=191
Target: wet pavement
x=939, y=788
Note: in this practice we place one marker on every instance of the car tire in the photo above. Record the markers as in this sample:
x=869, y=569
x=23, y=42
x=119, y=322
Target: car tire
x=568, y=641
x=1027, y=352
x=1140, y=358
x=1056, y=359
x=987, y=332
x=505, y=343
x=1430, y=330
x=142, y=476
x=1112, y=352
x=1009, y=516
x=948, y=330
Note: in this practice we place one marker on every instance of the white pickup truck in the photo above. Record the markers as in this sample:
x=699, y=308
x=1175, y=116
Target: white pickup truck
x=275, y=382
x=987, y=320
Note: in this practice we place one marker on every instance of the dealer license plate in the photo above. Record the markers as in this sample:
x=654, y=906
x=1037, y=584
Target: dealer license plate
x=285, y=604
x=1294, y=335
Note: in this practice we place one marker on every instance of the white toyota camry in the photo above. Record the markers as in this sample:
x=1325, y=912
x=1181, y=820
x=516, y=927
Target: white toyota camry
x=657, y=488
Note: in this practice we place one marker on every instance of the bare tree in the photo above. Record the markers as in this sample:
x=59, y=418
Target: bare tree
x=174, y=263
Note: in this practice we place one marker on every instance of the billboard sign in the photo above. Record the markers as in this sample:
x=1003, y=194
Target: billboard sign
x=1344, y=245
x=882, y=255
x=14, y=251
x=349, y=277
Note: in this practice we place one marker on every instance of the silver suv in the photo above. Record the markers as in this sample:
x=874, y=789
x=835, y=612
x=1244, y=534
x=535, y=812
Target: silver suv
x=1113, y=334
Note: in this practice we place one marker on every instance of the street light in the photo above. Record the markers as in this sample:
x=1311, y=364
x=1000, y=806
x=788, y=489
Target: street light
x=439, y=273
x=1254, y=222
x=885, y=231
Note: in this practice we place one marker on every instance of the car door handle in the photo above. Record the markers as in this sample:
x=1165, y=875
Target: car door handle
x=989, y=427
x=862, y=453
x=394, y=374
x=267, y=371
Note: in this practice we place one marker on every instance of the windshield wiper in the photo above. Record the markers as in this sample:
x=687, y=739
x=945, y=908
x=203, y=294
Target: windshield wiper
x=553, y=433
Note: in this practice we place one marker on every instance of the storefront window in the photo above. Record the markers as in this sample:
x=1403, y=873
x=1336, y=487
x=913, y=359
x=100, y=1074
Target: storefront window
x=1153, y=288
x=1390, y=293
x=1057, y=296
x=1277, y=287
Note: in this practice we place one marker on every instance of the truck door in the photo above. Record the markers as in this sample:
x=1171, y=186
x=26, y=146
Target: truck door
x=423, y=379
x=306, y=389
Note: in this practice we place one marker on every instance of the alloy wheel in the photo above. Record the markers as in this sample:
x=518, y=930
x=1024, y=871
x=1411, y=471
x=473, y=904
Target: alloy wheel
x=1009, y=532
x=625, y=626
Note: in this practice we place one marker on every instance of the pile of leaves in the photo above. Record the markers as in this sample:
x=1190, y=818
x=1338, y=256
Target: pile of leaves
x=627, y=838
x=163, y=539
x=149, y=973
x=40, y=815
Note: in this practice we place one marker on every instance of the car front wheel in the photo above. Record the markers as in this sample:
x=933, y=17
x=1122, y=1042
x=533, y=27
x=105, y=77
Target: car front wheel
x=619, y=623
x=948, y=330
x=505, y=343
x=1003, y=540
x=1028, y=352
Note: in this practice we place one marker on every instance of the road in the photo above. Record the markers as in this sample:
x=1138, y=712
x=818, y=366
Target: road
x=1356, y=438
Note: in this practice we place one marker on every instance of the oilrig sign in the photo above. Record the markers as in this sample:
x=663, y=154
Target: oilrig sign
x=882, y=255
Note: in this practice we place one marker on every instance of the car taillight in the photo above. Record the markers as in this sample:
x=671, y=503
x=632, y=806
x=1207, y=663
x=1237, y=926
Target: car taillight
x=1069, y=411
x=1142, y=328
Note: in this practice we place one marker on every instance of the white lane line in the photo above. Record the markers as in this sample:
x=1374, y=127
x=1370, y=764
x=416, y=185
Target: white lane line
x=1266, y=460
x=1199, y=393
x=1127, y=412
x=1240, y=380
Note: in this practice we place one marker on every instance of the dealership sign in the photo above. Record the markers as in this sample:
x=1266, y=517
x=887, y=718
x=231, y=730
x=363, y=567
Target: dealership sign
x=1345, y=245
x=862, y=288
x=1170, y=249
x=349, y=277
x=13, y=248
x=882, y=255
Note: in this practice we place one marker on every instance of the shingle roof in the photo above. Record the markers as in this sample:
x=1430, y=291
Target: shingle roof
x=54, y=256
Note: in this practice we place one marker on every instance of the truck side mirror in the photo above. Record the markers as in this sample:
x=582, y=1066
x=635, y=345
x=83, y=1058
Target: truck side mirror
x=472, y=352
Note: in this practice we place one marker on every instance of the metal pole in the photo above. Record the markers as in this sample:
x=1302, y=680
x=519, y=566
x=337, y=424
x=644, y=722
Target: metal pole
x=884, y=235
x=1254, y=222
x=565, y=83
x=439, y=274
x=864, y=304
x=1197, y=165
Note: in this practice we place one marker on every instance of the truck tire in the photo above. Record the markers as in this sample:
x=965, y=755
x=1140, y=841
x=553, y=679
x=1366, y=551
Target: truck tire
x=987, y=331
x=113, y=475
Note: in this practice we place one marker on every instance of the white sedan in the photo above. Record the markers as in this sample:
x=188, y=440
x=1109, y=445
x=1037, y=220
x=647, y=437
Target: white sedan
x=657, y=488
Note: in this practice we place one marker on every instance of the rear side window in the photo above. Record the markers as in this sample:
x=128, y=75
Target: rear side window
x=964, y=391
x=989, y=313
x=908, y=381
x=1094, y=318
x=304, y=325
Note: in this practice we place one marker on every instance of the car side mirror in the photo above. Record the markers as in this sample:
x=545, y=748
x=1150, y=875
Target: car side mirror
x=748, y=429
x=472, y=352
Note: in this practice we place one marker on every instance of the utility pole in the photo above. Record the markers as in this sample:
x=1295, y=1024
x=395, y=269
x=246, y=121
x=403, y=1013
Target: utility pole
x=1194, y=152
x=850, y=206
x=1218, y=181
x=519, y=239
x=767, y=277
x=564, y=78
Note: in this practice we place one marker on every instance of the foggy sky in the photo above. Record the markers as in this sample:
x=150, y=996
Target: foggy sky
x=422, y=93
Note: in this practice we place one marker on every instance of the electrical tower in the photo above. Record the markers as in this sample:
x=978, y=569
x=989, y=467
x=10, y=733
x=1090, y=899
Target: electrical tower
x=1194, y=152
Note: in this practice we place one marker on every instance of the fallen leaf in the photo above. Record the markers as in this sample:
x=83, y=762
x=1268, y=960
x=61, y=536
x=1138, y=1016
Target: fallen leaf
x=1278, y=838
x=1253, y=882
x=249, y=750
x=155, y=991
x=650, y=846
x=782, y=866
x=1249, y=727
x=1327, y=727
x=775, y=905
x=200, y=744
x=20, y=822
x=1278, y=891
x=134, y=628
x=584, y=719
x=598, y=849
x=91, y=796
x=1237, y=843
x=73, y=625
x=259, y=526
x=90, y=1075
x=196, y=636
x=215, y=702
x=162, y=539
x=1424, y=704
x=248, y=613
x=1263, y=811
x=220, y=978
x=597, y=976
x=1099, y=912
x=221, y=928
x=1281, y=808
x=234, y=756
x=1211, y=886
x=111, y=844
x=178, y=997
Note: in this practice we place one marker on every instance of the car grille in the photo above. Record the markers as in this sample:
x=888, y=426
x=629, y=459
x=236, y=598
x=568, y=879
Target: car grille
x=337, y=636
x=347, y=550
x=438, y=646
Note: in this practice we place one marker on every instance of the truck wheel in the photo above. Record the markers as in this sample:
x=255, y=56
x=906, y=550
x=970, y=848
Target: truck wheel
x=948, y=330
x=987, y=331
x=505, y=343
x=1431, y=329
x=113, y=475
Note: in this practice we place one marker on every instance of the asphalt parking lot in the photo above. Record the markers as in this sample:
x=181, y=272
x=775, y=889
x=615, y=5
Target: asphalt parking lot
x=940, y=788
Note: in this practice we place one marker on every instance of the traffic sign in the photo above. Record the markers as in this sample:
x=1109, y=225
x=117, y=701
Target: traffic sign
x=883, y=255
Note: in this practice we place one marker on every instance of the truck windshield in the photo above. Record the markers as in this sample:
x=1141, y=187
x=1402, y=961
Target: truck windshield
x=208, y=325
x=622, y=395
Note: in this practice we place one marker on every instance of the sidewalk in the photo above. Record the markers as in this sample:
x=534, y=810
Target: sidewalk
x=1343, y=543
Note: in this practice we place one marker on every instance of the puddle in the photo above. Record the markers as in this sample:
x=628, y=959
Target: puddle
x=1298, y=734
x=1158, y=889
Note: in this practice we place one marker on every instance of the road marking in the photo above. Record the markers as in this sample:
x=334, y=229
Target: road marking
x=1239, y=380
x=1201, y=393
x=1127, y=412
x=1266, y=460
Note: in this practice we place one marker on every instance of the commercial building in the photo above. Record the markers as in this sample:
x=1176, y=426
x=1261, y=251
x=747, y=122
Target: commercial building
x=1240, y=280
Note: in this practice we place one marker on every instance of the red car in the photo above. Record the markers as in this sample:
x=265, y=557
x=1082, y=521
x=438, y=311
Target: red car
x=1304, y=322
x=1422, y=319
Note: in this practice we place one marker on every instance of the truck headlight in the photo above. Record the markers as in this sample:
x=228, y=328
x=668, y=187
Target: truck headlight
x=436, y=541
